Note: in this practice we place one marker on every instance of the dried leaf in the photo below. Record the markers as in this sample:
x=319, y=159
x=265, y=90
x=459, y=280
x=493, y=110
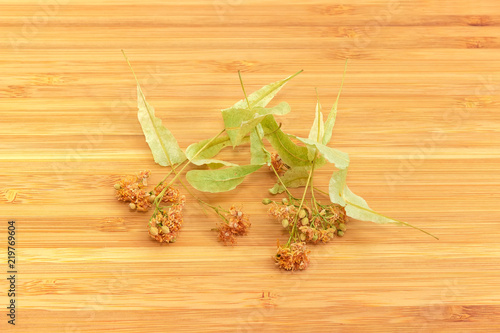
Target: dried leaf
x=163, y=145
x=293, y=177
x=355, y=206
x=239, y=122
x=292, y=154
x=330, y=121
x=205, y=157
x=318, y=127
x=339, y=158
x=259, y=154
x=220, y=180
x=264, y=95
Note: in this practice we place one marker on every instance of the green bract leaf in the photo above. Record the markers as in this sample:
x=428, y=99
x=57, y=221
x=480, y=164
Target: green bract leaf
x=163, y=145
x=239, y=122
x=205, y=157
x=318, y=128
x=264, y=95
x=355, y=206
x=292, y=154
x=330, y=121
x=339, y=158
x=220, y=180
x=259, y=154
x=293, y=177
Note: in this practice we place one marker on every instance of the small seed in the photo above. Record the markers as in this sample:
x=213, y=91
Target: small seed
x=340, y=233
x=117, y=186
x=165, y=230
x=302, y=237
x=153, y=231
x=132, y=206
x=302, y=213
x=285, y=223
x=305, y=221
x=284, y=201
x=151, y=198
x=266, y=201
x=342, y=227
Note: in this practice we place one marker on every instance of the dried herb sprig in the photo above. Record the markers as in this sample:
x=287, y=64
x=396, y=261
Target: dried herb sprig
x=251, y=121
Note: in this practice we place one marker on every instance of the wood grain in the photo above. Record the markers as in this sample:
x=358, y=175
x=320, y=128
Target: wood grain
x=418, y=116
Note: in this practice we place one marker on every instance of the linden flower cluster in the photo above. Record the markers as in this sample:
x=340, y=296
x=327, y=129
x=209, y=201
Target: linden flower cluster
x=166, y=222
x=131, y=189
x=305, y=225
x=293, y=257
x=236, y=223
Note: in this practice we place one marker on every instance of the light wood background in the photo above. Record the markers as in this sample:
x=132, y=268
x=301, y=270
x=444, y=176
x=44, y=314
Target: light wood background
x=418, y=116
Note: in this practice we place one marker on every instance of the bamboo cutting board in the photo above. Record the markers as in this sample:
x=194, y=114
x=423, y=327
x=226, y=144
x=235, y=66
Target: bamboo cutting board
x=418, y=116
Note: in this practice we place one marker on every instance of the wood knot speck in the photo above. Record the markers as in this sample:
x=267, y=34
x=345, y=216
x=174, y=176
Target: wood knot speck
x=457, y=313
x=112, y=224
x=475, y=102
x=244, y=66
x=478, y=21
x=474, y=44
x=48, y=80
x=16, y=91
x=267, y=299
x=333, y=9
x=347, y=32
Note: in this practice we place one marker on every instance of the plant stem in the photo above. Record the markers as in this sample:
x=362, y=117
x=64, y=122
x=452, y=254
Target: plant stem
x=160, y=196
x=301, y=202
x=283, y=184
x=312, y=184
x=243, y=88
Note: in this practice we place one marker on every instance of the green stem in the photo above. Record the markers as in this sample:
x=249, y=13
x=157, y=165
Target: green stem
x=283, y=184
x=321, y=191
x=243, y=88
x=301, y=203
x=160, y=196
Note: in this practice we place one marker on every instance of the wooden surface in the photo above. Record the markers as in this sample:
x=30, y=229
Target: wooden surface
x=418, y=116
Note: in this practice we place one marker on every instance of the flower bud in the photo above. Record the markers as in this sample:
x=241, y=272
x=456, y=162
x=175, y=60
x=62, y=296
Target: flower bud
x=315, y=237
x=284, y=201
x=117, y=186
x=342, y=227
x=305, y=221
x=302, y=237
x=153, y=231
x=266, y=201
x=302, y=213
x=152, y=198
x=285, y=223
x=132, y=205
x=323, y=212
x=173, y=240
x=340, y=233
x=165, y=230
